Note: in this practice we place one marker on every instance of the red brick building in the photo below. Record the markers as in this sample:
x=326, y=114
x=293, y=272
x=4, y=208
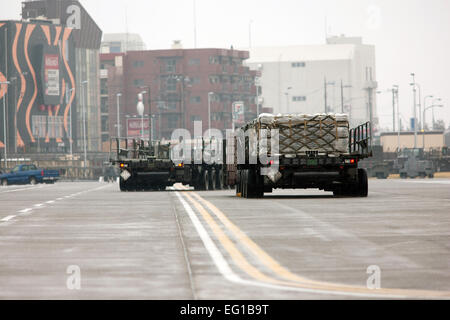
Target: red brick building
x=180, y=81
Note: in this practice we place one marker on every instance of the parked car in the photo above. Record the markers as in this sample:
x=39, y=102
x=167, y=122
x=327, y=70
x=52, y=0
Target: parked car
x=29, y=174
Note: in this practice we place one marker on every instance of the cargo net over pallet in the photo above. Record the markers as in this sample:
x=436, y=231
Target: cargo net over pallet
x=300, y=134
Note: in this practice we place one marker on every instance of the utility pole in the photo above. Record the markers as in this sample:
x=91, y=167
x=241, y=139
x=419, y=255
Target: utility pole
x=396, y=101
x=393, y=109
x=118, y=95
x=432, y=110
x=6, y=83
x=325, y=95
x=414, y=110
x=84, y=124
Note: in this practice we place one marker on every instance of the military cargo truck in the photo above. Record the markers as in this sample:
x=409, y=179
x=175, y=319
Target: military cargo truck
x=315, y=151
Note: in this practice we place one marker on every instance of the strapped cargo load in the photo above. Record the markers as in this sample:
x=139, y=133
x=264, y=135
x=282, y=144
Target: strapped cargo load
x=303, y=133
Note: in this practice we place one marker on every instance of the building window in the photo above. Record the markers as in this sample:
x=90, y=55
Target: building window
x=171, y=65
x=196, y=100
x=298, y=98
x=214, y=60
x=298, y=64
x=104, y=105
x=171, y=84
x=138, y=64
x=172, y=121
x=214, y=79
x=195, y=80
x=172, y=105
x=105, y=124
x=139, y=82
x=196, y=118
x=194, y=62
x=105, y=137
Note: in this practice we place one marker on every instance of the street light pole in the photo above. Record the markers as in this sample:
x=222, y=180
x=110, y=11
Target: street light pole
x=432, y=111
x=396, y=101
x=150, y=115
x=118, y=95
x=70, y=127
x=84, y=124
x=4, y=121
x=424, y=110
x=210, y=94
x=413, y=84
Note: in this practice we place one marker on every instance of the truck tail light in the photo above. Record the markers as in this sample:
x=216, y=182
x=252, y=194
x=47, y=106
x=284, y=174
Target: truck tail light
x=351, y=161
x=42, y=173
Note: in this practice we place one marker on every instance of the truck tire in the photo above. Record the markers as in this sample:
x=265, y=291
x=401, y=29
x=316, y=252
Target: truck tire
x=259, y=185
x=122, y=185
x=244, y=183
x=220, y=180
x=5, y=182
x=205, y=180
x=363, y=184
x=212, y=179
x=33, y=181
x=238, y=184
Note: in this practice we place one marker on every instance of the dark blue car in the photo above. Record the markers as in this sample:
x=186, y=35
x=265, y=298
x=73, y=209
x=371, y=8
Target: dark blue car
x=29, y=174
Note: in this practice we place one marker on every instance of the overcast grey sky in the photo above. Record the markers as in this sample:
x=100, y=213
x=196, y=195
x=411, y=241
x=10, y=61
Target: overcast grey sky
x=409, y=35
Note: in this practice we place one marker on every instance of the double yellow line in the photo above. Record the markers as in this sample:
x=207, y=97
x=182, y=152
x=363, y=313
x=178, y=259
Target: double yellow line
x=284, y=277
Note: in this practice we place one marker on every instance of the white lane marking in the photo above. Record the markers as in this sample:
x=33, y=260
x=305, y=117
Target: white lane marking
x=8, y=218
x=21, y=189
x=226, y=271
x=42, y=205
x=312, y=232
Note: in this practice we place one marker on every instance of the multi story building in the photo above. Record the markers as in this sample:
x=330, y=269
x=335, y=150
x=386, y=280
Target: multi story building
x=182, y=84
x=336, y=77
x=87, y=38
x=37, y=58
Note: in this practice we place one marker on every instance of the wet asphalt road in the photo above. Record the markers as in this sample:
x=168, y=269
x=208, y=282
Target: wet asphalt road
x=181, y=244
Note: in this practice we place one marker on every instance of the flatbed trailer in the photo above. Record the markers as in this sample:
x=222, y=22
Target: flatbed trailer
x=325, y=171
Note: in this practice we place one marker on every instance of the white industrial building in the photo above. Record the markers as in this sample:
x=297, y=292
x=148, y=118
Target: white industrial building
x=122, y=42
x=294, y=78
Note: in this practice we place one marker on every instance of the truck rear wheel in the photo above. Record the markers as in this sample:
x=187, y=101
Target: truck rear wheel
x=238, y=184
x=122, y=185
x=205, y=181
x=4, y=182
x=363, y=184
x=213, y=180
x=244, y=183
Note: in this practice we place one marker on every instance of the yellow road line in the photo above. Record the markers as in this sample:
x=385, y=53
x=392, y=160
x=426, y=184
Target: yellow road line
x=277, y=268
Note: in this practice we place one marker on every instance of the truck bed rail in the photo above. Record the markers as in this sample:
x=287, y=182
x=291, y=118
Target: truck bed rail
x=360, y=140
